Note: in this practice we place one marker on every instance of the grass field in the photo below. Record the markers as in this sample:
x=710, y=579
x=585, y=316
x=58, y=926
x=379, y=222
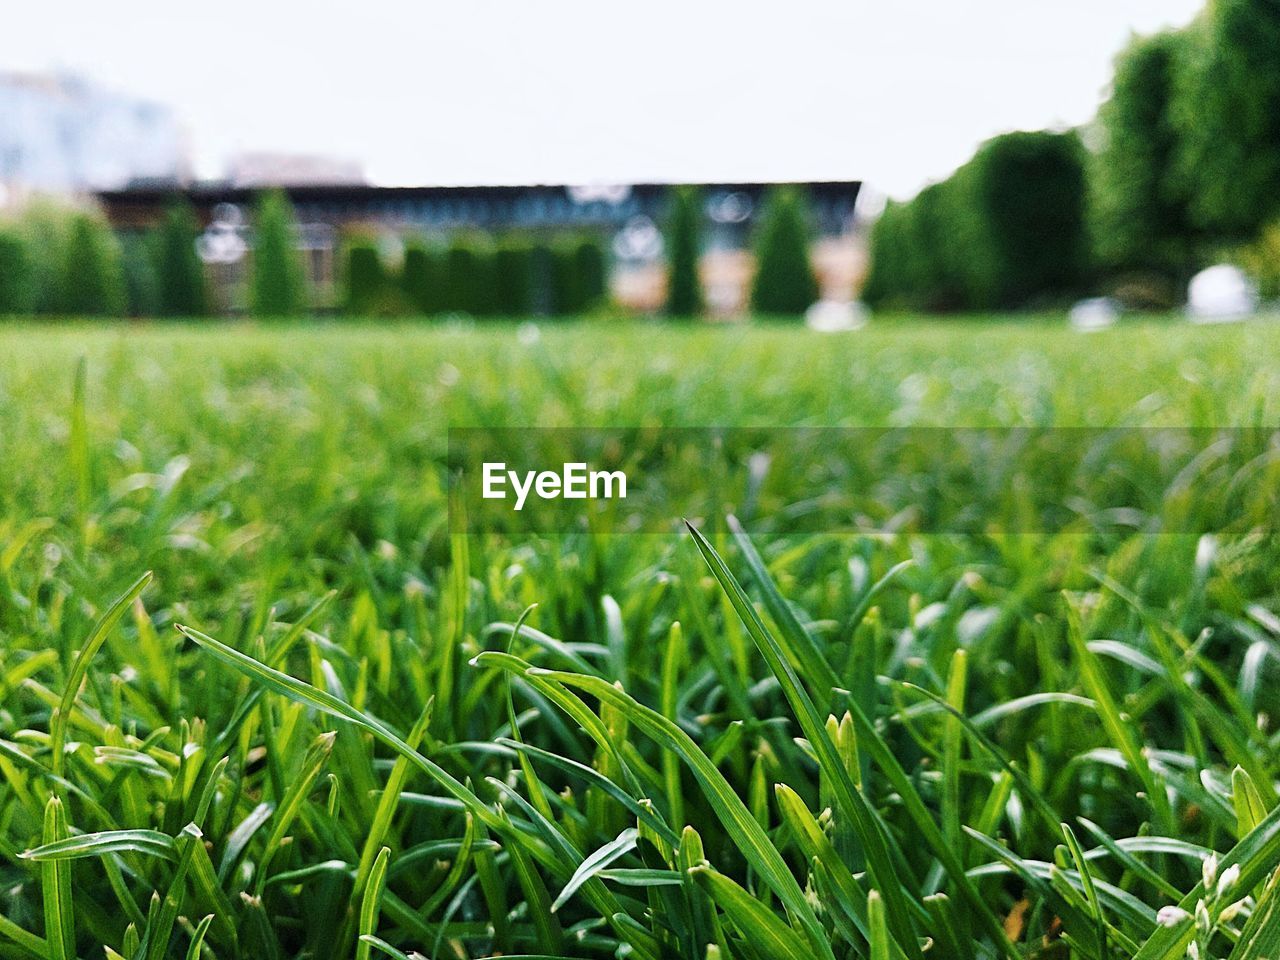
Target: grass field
x=820, y=746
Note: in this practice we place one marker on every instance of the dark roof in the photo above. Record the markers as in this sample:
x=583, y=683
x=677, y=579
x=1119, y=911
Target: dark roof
x=215, y=192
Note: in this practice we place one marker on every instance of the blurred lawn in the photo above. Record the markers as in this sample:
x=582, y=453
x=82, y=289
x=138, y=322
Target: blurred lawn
x=290, y=443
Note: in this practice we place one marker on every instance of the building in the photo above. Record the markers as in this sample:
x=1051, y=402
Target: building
x=257, y=169
x=62, y=134
x=627, y=216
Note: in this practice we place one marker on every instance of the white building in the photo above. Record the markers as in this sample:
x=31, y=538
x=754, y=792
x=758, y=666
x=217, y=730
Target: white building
x=63, y=134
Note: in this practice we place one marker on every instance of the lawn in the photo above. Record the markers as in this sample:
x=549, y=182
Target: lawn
x=787, y=747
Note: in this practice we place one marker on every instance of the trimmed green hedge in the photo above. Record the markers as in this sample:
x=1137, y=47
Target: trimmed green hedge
x=1006, y=230
x=365, y=279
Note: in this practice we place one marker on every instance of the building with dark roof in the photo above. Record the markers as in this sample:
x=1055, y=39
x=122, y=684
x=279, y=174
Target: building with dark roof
x=626, y=216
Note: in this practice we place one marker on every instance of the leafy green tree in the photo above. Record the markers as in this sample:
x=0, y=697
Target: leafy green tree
x=366, y=280
x=1261, y=259
x=17, y=273
x=93, y=274
x=1141, y=206
x=422, y=279
x=278, y=286
x=179, y=272
x=684, y=244
x=1228, y=114
x=784, y=280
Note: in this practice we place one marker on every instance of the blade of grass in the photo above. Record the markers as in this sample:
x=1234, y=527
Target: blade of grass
x=291, y=805
x=877, y=926
x=197, y=939
x=598, y=860
x=371, y=902
x=756, y=922
x=55, y=888
x=1118, y=730
x=58, y=720
x=34, y=945
x=1090, y=891
x=150, y=843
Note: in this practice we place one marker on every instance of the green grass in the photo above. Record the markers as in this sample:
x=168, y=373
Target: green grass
x=369, y=737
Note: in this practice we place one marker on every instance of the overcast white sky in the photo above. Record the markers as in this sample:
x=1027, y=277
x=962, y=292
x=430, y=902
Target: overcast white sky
x=474, y=91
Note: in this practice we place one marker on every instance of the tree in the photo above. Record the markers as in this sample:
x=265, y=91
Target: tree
x=422, y=280
x=784, y=281
x=179, y=272
x=278, y=285
x=366, y=281
x=684, y=244
x=17, y=273
x=93, y=275
x=1141, y=207
x=1228, y=116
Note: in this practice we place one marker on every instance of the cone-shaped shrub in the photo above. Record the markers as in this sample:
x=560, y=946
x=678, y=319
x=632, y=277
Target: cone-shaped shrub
x=93, y=275
x=684, y=243
x=139, y=256
x=784, y=282
x=278, y=286
x=17, y=273
x=179, y=272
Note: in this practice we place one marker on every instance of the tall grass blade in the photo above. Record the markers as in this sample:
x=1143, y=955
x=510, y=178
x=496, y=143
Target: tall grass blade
x=79, y=669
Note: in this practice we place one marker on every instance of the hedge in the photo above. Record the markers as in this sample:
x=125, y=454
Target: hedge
x=1006, y=230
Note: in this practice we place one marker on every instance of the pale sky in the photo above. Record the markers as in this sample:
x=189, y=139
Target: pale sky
x=563, y=91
